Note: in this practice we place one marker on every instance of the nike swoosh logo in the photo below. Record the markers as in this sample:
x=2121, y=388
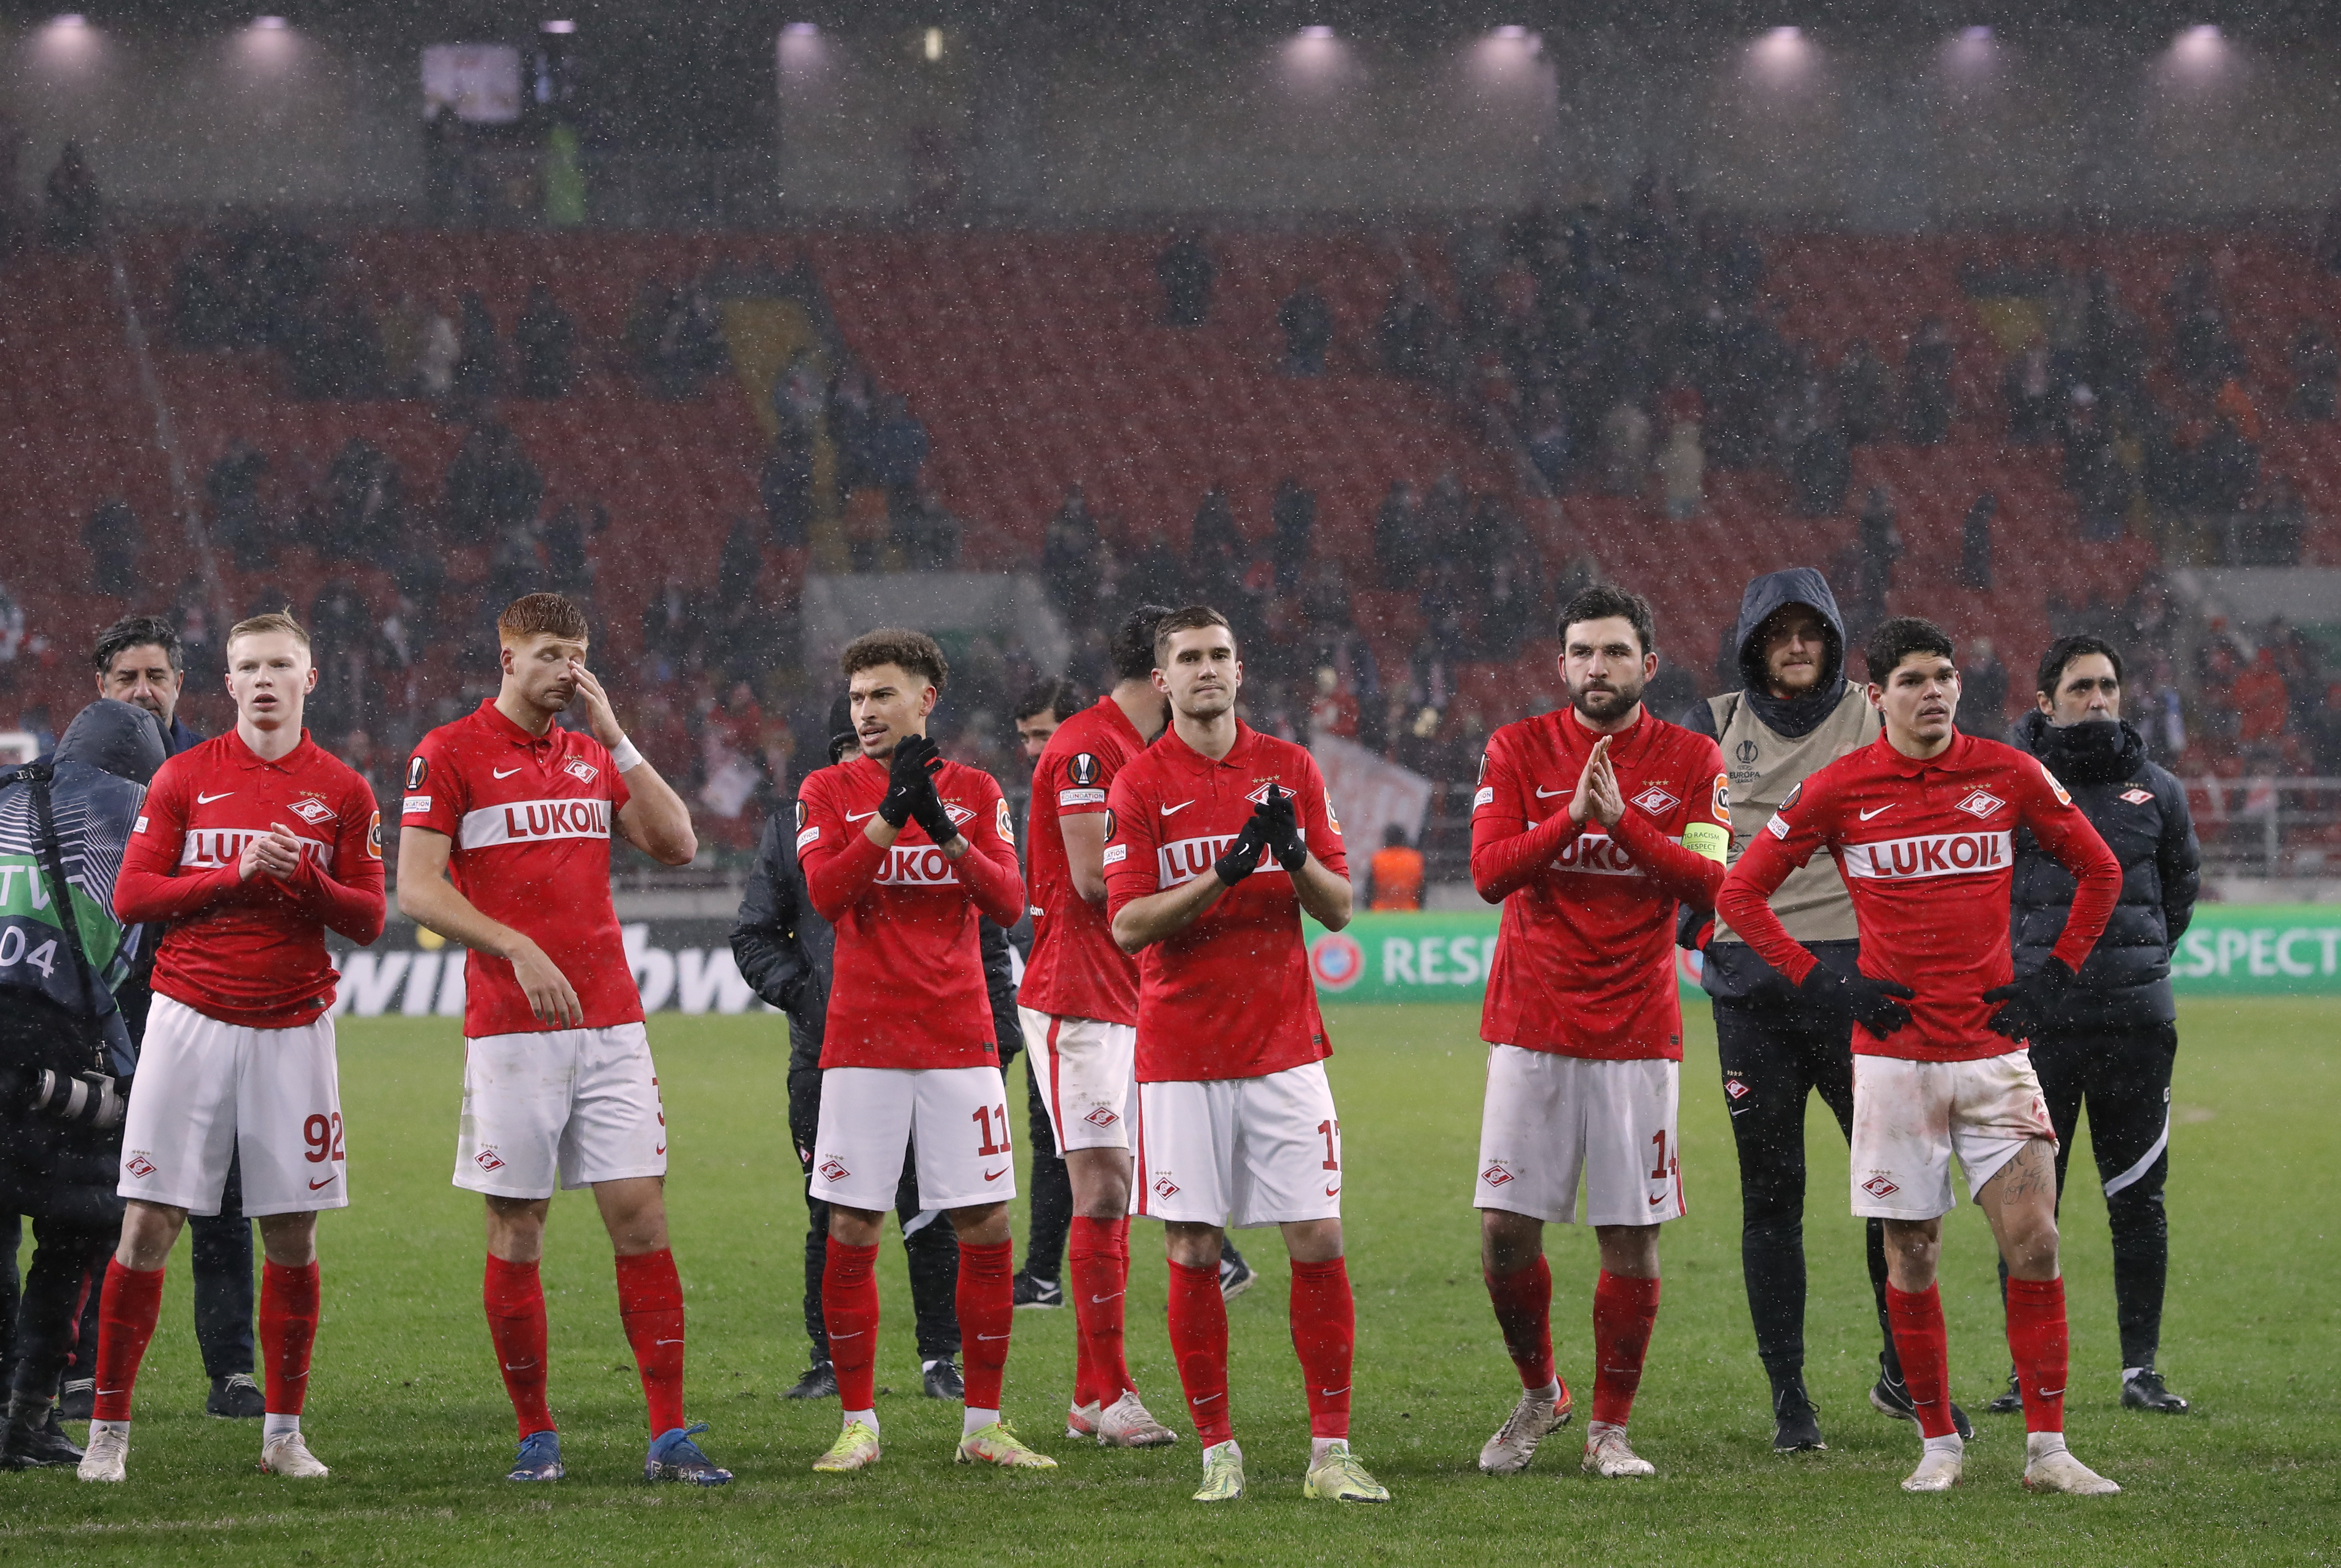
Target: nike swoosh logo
x=985, y=1338
x=659, y=1150
x=1329, y=1392
x=1100, y=1301
x=518, y=1366
x=504, y=773
x=666, y=1342
x=1205, y=1400
x=857, y=1334
x=328, y=1182
x=865, y=816
x=1879, y=811
x=1332, y=1192
x=1544, y=794
x=207, y=799
x=1175, y=809
x=995, y=1176
x=1659, y=1199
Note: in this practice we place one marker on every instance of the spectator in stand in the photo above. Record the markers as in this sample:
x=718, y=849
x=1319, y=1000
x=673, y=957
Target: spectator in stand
x=237, y=526
x=898, y=450
x=111, y=538
x=2275, y=528
x=786, y=486
x=2035, y=395
x=436, y=356
x=480, y=370
x=1682, y=471
x=1068, y=556
x=1292, y=531
x=673, y=622
x=927, y=534
x=2260, y=699
x=1394, y=876
x=1864, y=389
x=1975, y=543
x=1307, y=321
x=738, y=567
x=1820, y=463
x=1625, y=448
x=1983, y=692
x=1879, y=538
x=1398, y=539
x=2315, y=371
x=544, y=345
x=1928, y=402
x=492, y=490
x=1333, y=711
x=1185, y=272
x=72, y=206
x=1547, y=441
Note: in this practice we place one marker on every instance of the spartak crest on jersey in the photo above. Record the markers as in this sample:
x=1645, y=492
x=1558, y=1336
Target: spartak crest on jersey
x=1981, y=802
x=1656, y=801
x=312, y=810
x=2137, y=796
x=1259, y=795
x=581, y=769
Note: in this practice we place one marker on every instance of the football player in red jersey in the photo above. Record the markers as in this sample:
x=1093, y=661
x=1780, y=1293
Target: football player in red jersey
x=1079, y=1007
x=558, y=1088
x=1592, y=825
x=1218, y=837
x=1922, y=823
x=250, y=847
x=903, y=853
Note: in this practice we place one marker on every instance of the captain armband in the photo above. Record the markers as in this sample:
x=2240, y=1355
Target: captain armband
x=1708, y=839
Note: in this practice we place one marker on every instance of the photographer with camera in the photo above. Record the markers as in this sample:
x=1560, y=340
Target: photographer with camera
x=66, y=1055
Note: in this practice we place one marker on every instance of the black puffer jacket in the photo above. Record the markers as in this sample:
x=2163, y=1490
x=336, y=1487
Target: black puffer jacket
x=2141, y=811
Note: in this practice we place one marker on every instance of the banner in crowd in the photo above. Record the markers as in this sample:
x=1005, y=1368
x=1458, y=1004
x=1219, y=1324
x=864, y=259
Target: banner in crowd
x=686, y=965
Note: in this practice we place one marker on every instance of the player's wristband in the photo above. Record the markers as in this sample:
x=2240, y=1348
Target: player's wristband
x=623, y=756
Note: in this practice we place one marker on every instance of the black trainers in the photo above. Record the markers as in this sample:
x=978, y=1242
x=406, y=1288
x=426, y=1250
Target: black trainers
x=818, y=1382
x=1796, y=1424
x=944, y=1381
x=1235, y=1274
x=34, y=1439
x=77, y=1401
x=1038, y=1293
x=236, y=1397
x=2145, y=1390
x=2011, y=1401
x=1890, y=1396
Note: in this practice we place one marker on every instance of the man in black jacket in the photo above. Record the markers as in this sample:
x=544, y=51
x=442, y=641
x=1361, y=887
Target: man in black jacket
x=2114, y=1036
x=68, y=821
x=783, y=950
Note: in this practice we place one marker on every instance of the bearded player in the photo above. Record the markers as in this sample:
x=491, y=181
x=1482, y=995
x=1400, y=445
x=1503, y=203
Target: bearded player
x=1922, y=823
x=1592, y=825
x=558, y=1083
x=1217, y=839
x=250, y=848
x=903, y=853
x=1080, y=1005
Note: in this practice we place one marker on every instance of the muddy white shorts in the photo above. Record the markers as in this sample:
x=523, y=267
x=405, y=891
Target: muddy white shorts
x=207, y=1092
x=870, y=1117
x=1549, y=1119
x=1238, y=1151
x=575, y=1106
x=1909, y=1118
x=1089, y=1077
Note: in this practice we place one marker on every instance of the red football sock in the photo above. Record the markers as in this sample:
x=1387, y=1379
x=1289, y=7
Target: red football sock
x=986, y=1300
x=1625, y=1310
x=2037, y=1339
x=849, y=1311
x=1924, y=1348
x=1199, y=1338
x=288, y=1331
x=1523, y=1303
x=515, y=1298
x=650, y=1305
x=1097, y=1272
x=1325, y=1337
x=126, y=1313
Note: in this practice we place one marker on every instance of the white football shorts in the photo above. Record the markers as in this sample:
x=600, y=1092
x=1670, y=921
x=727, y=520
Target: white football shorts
x=207, y=1092
x=1238, y=1151
x=575, y=1106
x=955, y=1119
x=1550, y=1118
x=1909, y=1118
x=1089, y=1077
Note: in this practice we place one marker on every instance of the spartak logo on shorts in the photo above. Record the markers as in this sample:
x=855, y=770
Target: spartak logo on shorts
x=139, y=1165
x=833, y=1170
x=1101, y=1117
x=1164, y=1187
x=488, y=1160
x=1495, y=1176
x=1879, y=1187
x=1736, y=1089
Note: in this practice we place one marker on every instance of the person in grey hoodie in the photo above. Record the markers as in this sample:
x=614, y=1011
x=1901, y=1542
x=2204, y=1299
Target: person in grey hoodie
x=1796, y=714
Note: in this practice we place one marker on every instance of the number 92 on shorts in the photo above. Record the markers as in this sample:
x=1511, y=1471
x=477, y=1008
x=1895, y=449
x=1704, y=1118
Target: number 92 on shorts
x=872, y=1117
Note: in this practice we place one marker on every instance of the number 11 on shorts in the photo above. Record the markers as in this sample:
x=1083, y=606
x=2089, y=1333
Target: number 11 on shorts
x=988, y=1117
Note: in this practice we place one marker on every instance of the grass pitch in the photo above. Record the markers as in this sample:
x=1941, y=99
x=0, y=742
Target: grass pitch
x=407, y=1408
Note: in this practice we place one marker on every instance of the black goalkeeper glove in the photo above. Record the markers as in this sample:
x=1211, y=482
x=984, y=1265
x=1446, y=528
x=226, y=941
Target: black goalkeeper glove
x=1242, y=856
x=1876, y=1005
x=2029, y=1000
x=1284, y=840
x=910, y=777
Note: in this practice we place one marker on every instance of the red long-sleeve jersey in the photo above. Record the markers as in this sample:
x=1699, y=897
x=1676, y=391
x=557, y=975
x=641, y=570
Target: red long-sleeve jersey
x=1585, y=952
x=1927, y=849
x=1075, y=971
x=906, y=989
x=252, y=952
